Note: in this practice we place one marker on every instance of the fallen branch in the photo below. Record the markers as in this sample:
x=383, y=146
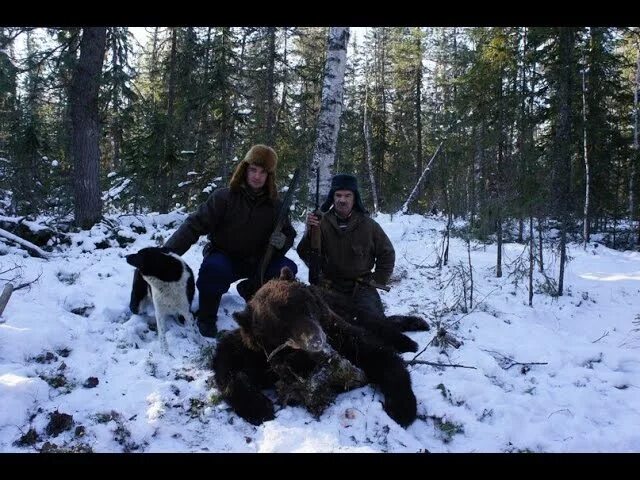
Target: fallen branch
x=526, y=364
x=4, y=297
x=506, y=362
x=414, y=192
x=23, y=285
x=601, y=337
x=436, y=364
x=22, y=242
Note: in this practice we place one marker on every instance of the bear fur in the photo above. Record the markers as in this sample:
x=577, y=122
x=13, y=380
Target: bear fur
x=293, y=321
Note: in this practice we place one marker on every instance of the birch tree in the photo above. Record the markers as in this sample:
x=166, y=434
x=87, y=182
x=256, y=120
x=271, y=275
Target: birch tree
x=331, y=108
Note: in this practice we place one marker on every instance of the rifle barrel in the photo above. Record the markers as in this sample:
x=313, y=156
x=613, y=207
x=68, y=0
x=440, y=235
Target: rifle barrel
x=373, y=284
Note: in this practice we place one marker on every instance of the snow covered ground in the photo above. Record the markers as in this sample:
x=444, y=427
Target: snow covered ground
x=79, y=372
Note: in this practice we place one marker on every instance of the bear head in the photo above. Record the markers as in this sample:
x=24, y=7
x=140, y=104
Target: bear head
x=283, y=312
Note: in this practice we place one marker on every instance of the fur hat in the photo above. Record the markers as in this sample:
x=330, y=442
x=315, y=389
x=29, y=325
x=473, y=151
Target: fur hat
x=343, y=181
x=262, y=156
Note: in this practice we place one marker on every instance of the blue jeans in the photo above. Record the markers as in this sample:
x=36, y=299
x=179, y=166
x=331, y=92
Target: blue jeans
x=218, y=272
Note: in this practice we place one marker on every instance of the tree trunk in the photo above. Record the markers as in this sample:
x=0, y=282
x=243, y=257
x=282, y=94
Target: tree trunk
x=168, y=151
x=85, y=137
x=418, y=113
x=587, y=179
x=271, y=52
x=116, y=128
x=541, y=264
x=324, y=151
x=414, y=192
x=367, y=141
x=499, y=247
x=532, y=247
x=562, y=141
x=636, y=150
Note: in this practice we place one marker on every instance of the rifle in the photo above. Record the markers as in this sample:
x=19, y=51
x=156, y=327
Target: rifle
x=372, y=283
x=316, y=240
x=282, y=216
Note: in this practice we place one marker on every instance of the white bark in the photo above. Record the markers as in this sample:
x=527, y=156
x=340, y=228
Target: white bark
x=324, y=151
x=414, y=192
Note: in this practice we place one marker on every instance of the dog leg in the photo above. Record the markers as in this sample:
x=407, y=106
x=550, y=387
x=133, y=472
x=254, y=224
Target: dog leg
x=161, y=322
x=189, y=319
x=139, y=291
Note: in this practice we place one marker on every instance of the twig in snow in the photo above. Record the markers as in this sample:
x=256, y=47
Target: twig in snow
x=506, y=362
x=602, y=336
x=436, y=364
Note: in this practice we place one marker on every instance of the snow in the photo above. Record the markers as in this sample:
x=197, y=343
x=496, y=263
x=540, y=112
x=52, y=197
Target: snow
x=561, y=376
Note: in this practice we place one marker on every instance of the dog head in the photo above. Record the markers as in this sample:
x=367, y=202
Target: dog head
x=157, y=262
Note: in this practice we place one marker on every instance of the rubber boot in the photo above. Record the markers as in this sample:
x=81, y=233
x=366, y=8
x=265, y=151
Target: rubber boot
x=247, y=288
x=208, y=315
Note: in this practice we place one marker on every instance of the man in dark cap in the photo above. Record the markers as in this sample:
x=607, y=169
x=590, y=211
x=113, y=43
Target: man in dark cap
x=239, y=221
x=355, y=250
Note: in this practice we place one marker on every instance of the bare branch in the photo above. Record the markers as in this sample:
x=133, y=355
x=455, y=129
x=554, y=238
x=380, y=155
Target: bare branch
x=602, y=336
x=506, y=362
x=436, y=364
x=4, y=297
x=24, y=285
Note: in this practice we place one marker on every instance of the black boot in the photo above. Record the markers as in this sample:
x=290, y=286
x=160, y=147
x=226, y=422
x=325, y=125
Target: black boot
x=208, y=315
x=247, y=288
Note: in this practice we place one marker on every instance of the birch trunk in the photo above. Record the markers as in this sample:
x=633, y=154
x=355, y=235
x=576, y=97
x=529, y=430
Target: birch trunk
x=324, y=151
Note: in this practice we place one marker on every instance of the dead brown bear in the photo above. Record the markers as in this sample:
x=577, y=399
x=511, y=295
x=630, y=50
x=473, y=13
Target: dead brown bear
x=290, y=318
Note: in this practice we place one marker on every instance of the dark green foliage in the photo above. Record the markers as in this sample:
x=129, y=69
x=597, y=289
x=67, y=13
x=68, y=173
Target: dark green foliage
x=177, y=115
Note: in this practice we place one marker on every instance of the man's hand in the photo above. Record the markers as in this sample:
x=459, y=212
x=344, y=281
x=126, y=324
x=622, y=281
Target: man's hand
x=277, y=240
x=313, y=220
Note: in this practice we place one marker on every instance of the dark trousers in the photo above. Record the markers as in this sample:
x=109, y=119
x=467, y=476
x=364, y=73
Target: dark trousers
x=218, y=272
x=367, y=299
x=362, y=298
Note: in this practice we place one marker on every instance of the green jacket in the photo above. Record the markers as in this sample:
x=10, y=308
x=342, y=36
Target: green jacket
x=238, y=224
x=354, y=252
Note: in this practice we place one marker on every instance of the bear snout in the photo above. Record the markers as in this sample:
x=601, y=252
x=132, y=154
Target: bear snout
x=312, y=340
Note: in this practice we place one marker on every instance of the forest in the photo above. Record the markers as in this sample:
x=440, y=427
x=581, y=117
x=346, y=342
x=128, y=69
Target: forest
x=502, y=163
x=512, y=129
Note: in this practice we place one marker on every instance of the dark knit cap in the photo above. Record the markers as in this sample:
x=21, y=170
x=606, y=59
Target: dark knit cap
x=343, y=181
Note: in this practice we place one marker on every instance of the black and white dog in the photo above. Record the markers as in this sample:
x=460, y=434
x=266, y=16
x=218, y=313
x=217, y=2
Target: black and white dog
x=169, y=280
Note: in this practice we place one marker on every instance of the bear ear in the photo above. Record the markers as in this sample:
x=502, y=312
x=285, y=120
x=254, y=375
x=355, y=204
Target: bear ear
x=243, y=317
x=286, y=274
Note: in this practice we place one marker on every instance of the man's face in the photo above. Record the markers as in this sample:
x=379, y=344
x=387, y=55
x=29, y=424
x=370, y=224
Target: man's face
x=256, y=176
x=343, y=202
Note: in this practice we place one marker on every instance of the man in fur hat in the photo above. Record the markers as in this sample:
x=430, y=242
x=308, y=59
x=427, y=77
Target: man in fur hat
x=239, y=221
x=355, y=250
